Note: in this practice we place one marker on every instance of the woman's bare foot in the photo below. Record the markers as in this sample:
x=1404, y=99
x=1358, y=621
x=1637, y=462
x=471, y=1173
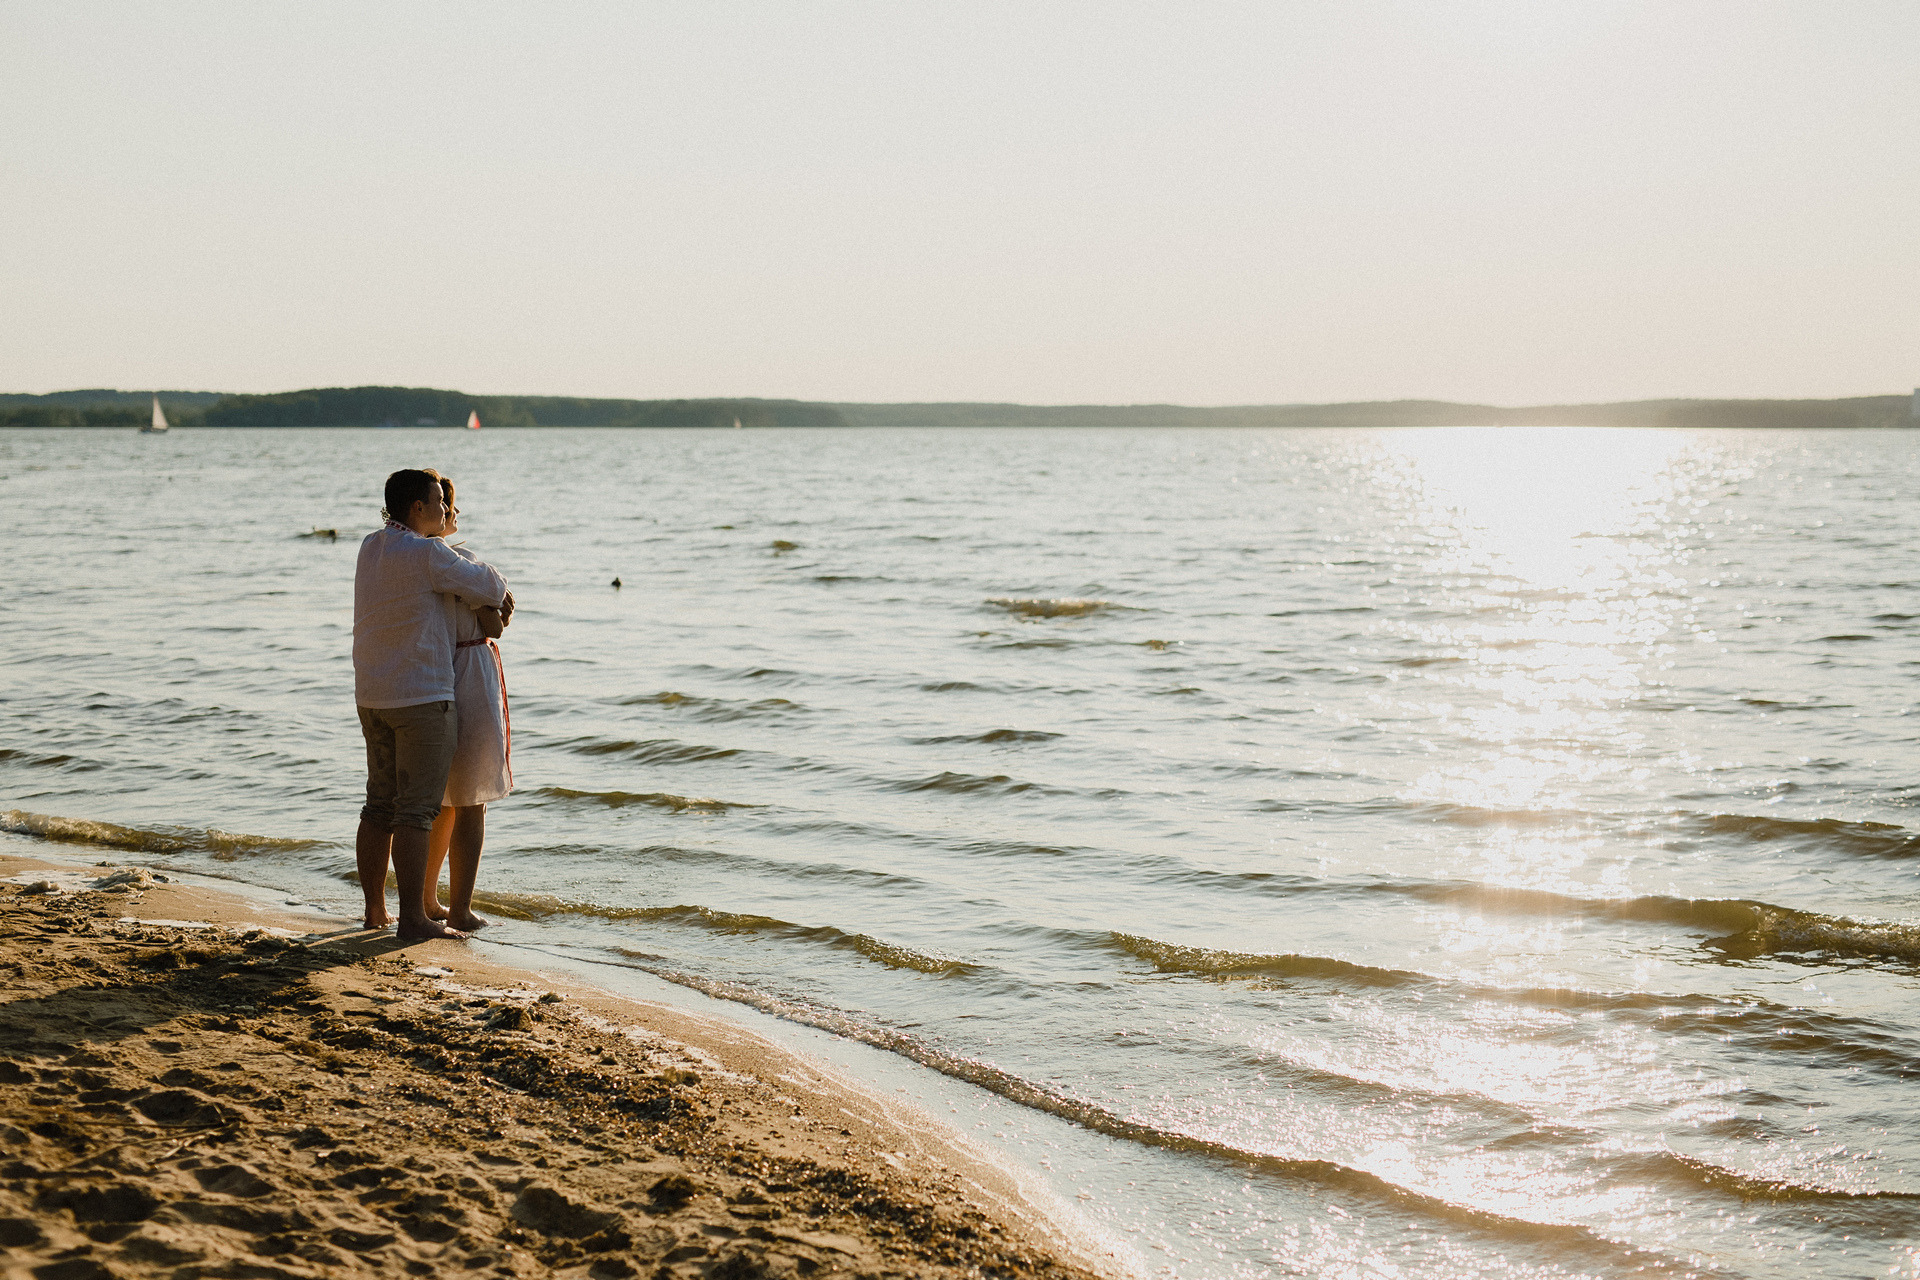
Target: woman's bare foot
x=468, y=922
x=369, y=922
x=422, y=929
x=437, y=912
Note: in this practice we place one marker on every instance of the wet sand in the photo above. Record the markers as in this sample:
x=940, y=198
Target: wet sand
x=276, y=1097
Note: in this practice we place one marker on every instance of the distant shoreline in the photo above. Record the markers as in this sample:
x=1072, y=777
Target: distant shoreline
x=424, y=407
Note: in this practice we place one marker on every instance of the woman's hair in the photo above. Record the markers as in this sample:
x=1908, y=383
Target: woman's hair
x=408, y=486
x=446, y=489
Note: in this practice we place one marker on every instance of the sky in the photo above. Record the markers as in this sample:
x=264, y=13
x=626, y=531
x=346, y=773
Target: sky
x=1495, y=201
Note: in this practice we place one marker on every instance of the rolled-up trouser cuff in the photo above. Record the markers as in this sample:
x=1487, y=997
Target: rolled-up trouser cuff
x=409, y=751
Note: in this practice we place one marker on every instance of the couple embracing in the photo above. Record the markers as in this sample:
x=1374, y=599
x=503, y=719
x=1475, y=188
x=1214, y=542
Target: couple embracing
x=433, y=707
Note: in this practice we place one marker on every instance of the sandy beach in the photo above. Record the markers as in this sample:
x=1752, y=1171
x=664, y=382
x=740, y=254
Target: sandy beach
x=192, y=1085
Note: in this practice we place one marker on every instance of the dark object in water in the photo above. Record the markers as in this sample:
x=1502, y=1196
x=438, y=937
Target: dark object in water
x=331, y=535
x=1064, y=607
x=616, y=584
x=781, y=544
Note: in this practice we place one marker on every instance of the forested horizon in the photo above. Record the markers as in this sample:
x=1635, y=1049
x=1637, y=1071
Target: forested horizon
x=375, y=406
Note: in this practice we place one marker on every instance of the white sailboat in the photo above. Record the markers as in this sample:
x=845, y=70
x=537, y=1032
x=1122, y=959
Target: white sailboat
x=473, y=420
x=159, y=422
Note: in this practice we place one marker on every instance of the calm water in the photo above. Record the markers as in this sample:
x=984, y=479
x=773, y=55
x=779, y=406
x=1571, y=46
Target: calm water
x=1422, y=853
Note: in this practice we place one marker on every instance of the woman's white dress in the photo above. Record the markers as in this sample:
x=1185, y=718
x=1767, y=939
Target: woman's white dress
x=483, y=756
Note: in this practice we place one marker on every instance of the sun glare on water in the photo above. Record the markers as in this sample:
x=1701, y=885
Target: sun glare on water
x=1553, y=554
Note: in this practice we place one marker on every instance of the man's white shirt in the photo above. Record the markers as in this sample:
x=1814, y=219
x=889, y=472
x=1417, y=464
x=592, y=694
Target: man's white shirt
x=405, y=591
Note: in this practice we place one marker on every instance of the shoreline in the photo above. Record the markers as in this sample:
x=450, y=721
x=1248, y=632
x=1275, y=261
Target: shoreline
x=199, y=1084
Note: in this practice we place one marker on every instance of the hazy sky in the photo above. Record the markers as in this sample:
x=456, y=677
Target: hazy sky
x=1512, y=201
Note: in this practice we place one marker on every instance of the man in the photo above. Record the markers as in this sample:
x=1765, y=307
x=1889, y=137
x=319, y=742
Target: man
x=403, y=637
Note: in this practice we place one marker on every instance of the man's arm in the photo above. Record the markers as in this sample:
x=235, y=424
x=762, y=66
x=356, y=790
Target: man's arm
x=452, y=573
x=492, y=625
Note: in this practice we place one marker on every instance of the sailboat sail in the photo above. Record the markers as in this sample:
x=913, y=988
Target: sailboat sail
x=159, y=422
x=473, y=420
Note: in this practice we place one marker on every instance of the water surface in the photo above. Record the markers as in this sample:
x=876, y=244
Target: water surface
x=1420, y=852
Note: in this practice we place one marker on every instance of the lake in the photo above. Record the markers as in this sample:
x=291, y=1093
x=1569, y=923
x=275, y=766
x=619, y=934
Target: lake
x=1411, y=853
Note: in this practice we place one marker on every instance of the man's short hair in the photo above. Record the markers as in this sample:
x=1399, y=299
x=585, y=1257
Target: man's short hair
x=408, y=486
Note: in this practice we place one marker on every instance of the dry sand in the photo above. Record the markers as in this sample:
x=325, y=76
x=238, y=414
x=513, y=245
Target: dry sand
x=240, y=1101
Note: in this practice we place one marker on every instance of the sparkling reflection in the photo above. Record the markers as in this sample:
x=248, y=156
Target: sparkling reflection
x=1556, y=560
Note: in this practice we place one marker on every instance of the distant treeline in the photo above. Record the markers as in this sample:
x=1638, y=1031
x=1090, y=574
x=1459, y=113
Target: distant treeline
x=426, y=406
x=399, y=407
x=66, y=415
x=101, y=398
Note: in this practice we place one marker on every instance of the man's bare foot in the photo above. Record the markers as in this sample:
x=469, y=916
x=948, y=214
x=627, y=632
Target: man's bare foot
x=468, y=922
x=422, y=929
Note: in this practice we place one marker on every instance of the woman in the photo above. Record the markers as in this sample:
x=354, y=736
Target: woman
x=482, y=765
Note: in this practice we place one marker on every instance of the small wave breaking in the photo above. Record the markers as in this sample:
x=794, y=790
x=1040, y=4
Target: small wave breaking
x=223, y=845
x=1169, y=957
x=891, y=954
x=1874, y=839
x=1571, y=1239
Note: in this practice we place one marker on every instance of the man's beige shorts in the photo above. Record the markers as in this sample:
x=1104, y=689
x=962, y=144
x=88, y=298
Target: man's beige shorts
x=409, y=750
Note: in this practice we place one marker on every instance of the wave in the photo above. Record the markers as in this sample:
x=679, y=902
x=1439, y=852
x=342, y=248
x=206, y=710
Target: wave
x=976, y=784
x=969, y=686
x=1060, y=607
x=1302, y=613
x=1778, y=930
x=1742, y=927
x=1752, y=1186
x=892, y=954
x=993, y=736
x=1732, y=915
x=56, y=760
x=714, y=710
x=1568, y=1239
x=839, y=829
x=1749, y=927
x=1874, y=839
x=1467, y=815
x=655, y=799
x=649, y=751
x=731, y=862
x=766, y=675
x=1171, y=957
x=223, y=845
x=1835, y=1039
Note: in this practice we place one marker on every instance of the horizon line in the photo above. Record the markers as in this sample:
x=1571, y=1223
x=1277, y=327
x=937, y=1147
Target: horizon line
x=1020, y=404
